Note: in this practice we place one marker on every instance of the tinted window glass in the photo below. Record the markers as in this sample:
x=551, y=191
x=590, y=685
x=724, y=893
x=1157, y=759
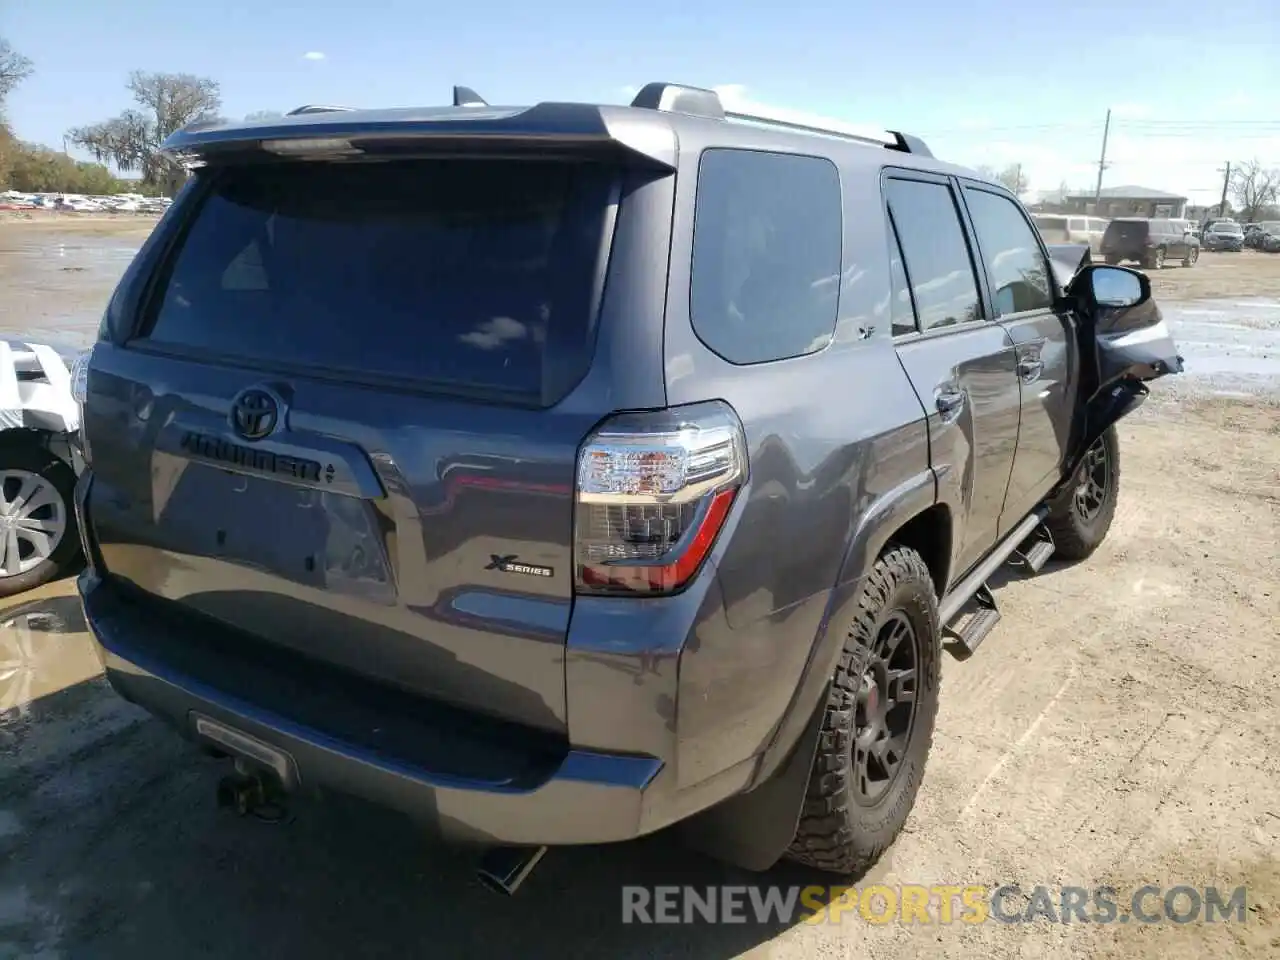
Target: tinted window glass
x=1130, y=231
x=1016, y=269
x=935, y=253
x=902, y=315
x=766, y=254
x=471, y=274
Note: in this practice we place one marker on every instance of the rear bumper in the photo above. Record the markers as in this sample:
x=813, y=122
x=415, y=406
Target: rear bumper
x=585, y=797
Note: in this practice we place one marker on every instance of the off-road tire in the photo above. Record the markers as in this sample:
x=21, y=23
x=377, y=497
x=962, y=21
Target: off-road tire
x=22, y=453
x=836, y=833
x=1113, y=260
x=1076, y=537
x=1156, y=260
x=1193, y=254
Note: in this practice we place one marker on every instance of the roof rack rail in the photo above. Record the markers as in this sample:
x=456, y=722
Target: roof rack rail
x=316, y=108
x=700, y=102
x=466, y=97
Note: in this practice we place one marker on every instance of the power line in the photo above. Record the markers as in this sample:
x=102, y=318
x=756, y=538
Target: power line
x=1148, y=127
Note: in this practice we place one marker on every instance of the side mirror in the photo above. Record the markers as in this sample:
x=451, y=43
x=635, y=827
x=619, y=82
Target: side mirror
x=1115, y=287
x=1101, y=286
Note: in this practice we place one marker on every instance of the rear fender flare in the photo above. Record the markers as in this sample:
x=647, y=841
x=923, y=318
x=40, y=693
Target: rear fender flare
x=752, y=830
x=886, y=515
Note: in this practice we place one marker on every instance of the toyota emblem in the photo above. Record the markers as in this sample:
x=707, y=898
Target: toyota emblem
x=254, y=414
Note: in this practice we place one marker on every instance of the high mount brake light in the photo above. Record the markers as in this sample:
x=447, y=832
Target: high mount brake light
x=653, y=492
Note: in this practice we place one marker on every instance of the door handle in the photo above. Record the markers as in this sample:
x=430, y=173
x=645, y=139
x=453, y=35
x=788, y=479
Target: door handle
x=949, y=403
x=1030, y=368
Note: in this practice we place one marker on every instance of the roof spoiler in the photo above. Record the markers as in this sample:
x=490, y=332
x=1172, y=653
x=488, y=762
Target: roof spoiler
x=700, y=102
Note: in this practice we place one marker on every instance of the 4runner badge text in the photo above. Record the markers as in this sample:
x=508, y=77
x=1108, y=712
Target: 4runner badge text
x=511, y=564
x=263, y=461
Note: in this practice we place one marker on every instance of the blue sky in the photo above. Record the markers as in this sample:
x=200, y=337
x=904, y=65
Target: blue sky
x=1191, y=83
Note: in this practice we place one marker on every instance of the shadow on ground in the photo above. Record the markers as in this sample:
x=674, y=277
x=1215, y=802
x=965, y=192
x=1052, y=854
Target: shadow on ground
x=111, y=845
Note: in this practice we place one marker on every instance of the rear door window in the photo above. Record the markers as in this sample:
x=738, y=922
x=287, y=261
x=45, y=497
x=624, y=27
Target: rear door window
x=474, y=275
x=935, y=253
x=767, y=243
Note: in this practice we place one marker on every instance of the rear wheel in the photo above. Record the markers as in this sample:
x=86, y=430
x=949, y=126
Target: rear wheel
x=38, y=535
x=1082, y=515
x=878, y=726
x=1156, y=260
x=1113, y=260
x=1193, y=254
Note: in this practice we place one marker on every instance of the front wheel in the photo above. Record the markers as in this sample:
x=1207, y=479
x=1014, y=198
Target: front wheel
x=38, y=536
x=878, y=725
x=1193, y=254
x=1082, y=515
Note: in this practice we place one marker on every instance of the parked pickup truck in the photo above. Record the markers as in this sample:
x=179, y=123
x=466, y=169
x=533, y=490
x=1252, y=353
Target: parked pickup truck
x=559, y=474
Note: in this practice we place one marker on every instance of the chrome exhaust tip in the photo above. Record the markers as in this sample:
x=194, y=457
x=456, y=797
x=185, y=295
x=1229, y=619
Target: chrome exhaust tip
x=503, y=869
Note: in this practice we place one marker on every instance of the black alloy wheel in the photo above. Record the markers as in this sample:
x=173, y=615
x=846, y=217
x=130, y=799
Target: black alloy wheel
x=885, y=711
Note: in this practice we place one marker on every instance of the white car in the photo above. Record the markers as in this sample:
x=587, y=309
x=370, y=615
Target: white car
x=40, y=459
x=79, y=205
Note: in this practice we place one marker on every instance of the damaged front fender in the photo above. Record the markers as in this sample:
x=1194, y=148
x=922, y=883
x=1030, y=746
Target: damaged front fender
x=1125, y=343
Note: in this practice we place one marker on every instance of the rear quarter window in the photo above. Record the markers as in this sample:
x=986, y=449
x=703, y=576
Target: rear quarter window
x=470, y=275
x=766, y=254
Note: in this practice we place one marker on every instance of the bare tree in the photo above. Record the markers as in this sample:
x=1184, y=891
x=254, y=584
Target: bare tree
x=1011, y=176
x=1254, y=187
x=167, y=102
x=14, y=68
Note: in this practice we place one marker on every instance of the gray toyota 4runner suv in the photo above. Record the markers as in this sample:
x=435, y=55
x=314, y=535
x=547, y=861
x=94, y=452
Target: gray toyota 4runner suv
x=560, y=474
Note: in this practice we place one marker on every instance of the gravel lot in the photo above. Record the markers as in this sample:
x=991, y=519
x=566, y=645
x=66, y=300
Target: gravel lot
x=1121, y=727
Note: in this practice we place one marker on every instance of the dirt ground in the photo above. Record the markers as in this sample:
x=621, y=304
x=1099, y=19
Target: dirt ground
x=1120, y=727
x=1245, y=274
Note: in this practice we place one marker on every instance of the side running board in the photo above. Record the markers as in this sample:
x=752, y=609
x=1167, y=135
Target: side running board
x=968, y=612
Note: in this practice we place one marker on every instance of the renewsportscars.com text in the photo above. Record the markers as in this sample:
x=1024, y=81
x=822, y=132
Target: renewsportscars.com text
x=931, y=904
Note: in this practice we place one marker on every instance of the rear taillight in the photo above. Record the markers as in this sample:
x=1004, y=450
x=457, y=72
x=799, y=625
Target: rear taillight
x=653, y=492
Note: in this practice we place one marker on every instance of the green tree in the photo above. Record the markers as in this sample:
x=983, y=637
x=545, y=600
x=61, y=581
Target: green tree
x=167, y=102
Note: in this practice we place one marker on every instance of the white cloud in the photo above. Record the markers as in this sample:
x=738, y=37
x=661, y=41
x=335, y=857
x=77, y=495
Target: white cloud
x=313, y=55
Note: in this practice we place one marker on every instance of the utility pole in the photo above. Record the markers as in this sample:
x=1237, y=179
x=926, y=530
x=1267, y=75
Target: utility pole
x=1017, y=182
x=1226, y=182
x=1102, y=162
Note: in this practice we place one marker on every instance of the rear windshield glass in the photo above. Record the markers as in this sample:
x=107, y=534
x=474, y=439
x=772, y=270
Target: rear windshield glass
x=1127, y=229
x=477, y=275
x=1227, y=228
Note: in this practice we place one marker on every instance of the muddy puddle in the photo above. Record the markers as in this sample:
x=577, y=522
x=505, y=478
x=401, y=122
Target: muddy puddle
x=54, y=285
x=44, y=648
x=1230, y=346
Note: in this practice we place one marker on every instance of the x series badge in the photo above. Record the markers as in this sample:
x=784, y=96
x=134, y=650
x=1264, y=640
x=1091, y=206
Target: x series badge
x=509, y=563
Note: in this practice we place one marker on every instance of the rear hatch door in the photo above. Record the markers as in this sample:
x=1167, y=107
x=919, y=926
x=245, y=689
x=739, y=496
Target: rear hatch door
x=339, y=428
x=1126, y=236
